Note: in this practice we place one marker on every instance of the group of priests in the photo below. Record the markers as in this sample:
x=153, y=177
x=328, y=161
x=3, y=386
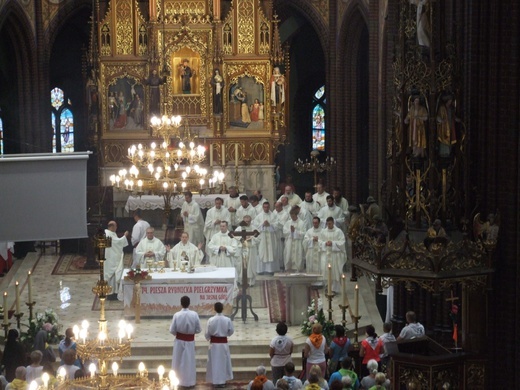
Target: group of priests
x=255, y=236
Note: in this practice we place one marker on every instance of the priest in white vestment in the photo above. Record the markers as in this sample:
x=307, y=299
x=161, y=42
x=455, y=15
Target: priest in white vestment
x=333, y=252
x=304, y=216
x=192, y=218
x=312, y=248
x=138, y=233
x=310, y=205
x=113, y=267
x=232, y=203
x=293, y=198
x=184, y=251
x=269, y=249
x=320, y=196
x=222, y=248
x=282, y=216
x=245, y=208
x=185, y=324
x=294, y=231
x=219, y=328
x=261, y=198
x=342, y=203
x=150, y=248
x=214, y=216
x=331, y=210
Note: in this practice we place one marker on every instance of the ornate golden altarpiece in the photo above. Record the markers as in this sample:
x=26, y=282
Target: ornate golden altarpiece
x=439, y=255
x=242, y=121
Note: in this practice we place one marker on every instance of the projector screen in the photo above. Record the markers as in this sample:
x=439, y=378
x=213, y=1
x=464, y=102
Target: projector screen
x=43, y=196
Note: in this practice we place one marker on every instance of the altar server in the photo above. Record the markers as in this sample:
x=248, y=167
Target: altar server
x=222, y=248
x=333, y=252
x=113, y=269
x=184, y=251
x=185, y=324
x=219, y=328
x=214, y=216
x=294, y=231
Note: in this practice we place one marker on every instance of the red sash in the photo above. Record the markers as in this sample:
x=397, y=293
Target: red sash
x=185, y=337
x=218, y=340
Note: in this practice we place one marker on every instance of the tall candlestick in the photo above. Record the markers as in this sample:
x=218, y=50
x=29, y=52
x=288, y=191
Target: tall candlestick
x=17, y=296
x=343, y=289
x=236, y=155
x=6, y=318
x=356, y=309
x=223, y=155
x=210, y=155
x=29, y=286
x=329, y=287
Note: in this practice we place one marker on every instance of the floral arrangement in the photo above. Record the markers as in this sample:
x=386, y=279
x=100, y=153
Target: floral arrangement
x=137, y=274
x=48, y=321
x=316, y=315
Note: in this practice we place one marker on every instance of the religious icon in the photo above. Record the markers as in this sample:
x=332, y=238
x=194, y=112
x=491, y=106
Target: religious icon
x=126, y=104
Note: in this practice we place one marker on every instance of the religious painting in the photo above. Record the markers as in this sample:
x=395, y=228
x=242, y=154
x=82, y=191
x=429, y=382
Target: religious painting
x=126, y=105
x=246, y=104
x=318, y=128
x=186, y=72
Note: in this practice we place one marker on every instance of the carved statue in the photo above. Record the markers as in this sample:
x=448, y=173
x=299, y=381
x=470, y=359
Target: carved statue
x=416, y=119
x=217, y=81
x=277, y=87
x=446, y=133
x=486, y=231
x=154, y=81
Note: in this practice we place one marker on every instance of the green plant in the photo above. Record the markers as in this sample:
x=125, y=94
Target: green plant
x=48, y=321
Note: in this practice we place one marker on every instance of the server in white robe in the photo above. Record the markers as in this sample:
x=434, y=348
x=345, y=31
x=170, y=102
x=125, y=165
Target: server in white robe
x=232, y=203
x=192, y=218
x=293, y=198
x=331, y=210
x=312, y=248
x=113, y=269
x=320, y=196
x=185, y=324
x=219, y=328
x=184, y=251
x=294, y=231
x=245, y=208
x=310, y=204
x=333, y=252
x=150, y=248
x=222, y=248
x=269, y=250
x=214, y=216
x=138, y=233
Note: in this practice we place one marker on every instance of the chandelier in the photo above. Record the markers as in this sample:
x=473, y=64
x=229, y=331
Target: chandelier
x=170, y=167
x=314, y=165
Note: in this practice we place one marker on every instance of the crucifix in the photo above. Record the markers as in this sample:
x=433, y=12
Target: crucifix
x=243, y=299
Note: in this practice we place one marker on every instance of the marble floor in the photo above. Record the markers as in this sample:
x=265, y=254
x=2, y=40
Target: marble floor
x=46, y=293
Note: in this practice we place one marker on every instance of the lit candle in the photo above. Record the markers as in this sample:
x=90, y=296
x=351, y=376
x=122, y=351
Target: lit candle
x=356, y=309
x=45, y=380
x=210, y=155
x=17, y=296
x=343, y=289
x=236, y=155
x=115, y=367
x=6, y=318
x=29, y=286
x=141, y=369
x=223, y=155
x=160, y=372
x=92, y=369
x=329, y=277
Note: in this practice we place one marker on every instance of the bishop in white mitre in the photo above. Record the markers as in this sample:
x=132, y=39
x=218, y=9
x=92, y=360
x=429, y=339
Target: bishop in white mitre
x=150, y=248
x=222, y=248
x=333, y=252
x=269, y=250
x=331, y=210
x=113, y=269
x=214, y=216
x=192, y=218
x=184, y=251
x=293, y=231
x=312, y=248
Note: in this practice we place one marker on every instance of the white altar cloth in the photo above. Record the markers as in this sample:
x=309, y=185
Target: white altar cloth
x=152, y=202
x=161, y=296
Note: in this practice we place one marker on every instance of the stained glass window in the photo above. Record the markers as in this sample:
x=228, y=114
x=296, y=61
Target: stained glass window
x=318, y=120
x=62, y=122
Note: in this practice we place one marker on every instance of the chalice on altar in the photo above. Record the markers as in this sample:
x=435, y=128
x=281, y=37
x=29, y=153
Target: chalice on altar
x=161, y=265
x=149, y=263
x=184, y=265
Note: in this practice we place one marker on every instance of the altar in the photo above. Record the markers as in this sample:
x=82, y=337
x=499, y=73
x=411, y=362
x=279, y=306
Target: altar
x=161, y=295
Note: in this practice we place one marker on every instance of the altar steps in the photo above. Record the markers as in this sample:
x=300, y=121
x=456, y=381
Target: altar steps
x=245, y=358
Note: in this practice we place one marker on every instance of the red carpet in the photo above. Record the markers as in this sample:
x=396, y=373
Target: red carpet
x=275, y=295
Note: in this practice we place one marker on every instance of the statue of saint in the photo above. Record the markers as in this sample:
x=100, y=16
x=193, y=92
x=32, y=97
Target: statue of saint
x=154, y=81
x=217, y=81
x=416, y=119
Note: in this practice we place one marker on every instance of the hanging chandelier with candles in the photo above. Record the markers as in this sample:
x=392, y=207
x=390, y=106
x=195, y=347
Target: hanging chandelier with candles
x=170, y=167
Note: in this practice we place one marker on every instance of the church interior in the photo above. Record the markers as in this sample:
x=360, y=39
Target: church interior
x=407, y=107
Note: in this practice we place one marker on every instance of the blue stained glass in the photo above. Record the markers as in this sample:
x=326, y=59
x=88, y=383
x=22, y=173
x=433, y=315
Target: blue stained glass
x=53, y=124
x=319, y=93
x=56, y=98
x=67, y=131
x=318, y=127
